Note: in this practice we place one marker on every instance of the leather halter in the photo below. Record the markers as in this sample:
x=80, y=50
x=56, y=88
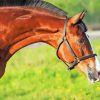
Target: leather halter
x=77, y=59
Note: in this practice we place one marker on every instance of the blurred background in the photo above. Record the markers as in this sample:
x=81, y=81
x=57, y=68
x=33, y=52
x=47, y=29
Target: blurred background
x=35, y=72
x=72, y=7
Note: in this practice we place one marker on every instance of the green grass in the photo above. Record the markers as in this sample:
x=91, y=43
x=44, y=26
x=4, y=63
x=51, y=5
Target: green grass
x=37, y=74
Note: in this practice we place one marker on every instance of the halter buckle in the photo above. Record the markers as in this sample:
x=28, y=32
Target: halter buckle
x=77, y=59
x=64, y=38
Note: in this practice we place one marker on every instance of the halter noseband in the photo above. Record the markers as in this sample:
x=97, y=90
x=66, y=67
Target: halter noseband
x=77, y=59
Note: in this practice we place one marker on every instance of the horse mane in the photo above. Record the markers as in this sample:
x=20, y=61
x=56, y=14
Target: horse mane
x=33, y=3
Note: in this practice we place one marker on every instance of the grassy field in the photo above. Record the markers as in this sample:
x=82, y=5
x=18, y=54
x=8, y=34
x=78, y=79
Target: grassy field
x=37, y=74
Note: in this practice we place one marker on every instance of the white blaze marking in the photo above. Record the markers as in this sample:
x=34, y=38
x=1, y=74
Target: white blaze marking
x=97, y=64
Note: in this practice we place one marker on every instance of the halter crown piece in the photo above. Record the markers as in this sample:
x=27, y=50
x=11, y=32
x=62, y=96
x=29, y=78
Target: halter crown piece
x=76, y=58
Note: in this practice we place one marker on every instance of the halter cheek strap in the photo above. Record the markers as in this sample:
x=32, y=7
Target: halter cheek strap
x=77, y=59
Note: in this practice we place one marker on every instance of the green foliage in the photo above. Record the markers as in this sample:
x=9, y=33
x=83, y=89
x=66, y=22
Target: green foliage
x=37, y=74
x=75, y=6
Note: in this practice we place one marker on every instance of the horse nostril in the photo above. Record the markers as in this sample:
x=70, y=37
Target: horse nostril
x=94, y=77
x=99, y=73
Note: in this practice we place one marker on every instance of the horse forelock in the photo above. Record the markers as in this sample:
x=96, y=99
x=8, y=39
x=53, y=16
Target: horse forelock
x=82, y=26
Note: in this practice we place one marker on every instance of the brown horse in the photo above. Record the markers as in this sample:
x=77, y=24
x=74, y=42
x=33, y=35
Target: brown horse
x=24, y=22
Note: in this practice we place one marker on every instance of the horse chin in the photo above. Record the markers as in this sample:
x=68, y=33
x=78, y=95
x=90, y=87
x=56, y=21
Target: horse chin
x=94, y=80
x=93, y=76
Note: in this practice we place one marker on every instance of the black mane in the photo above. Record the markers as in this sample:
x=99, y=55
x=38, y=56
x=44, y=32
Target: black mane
x=33, y=3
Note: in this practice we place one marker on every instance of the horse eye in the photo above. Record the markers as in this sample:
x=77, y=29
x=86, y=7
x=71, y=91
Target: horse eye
x=81, y=41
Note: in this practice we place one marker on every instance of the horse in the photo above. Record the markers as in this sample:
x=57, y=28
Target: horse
x=24, y=22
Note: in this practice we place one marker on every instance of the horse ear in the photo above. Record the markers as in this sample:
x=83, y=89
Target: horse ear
x=78, y=17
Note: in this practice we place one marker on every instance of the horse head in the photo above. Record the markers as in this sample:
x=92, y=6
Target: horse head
x=78, y=52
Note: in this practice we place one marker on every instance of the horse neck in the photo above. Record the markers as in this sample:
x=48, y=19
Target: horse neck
x=49, y=30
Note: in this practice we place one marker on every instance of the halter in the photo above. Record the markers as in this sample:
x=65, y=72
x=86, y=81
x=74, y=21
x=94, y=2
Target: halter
x=76, y=58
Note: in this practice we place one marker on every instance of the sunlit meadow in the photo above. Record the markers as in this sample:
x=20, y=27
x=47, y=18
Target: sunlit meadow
x=37, y=74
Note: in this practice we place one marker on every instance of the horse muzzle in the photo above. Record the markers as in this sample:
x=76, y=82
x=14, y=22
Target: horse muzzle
x=93, y=76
